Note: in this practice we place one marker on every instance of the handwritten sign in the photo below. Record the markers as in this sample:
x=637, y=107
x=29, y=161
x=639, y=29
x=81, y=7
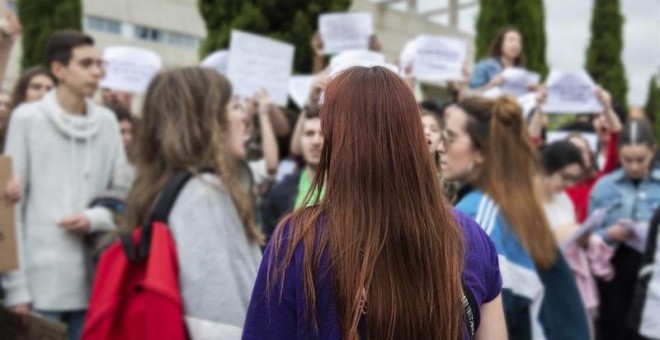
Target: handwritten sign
x=571, y=92
x=217, y=60
x=257, y=62
x=518, y=80
x=439, y=58
x=299, y=89
x=129, y=69
x=345, y=31
x=348, y=59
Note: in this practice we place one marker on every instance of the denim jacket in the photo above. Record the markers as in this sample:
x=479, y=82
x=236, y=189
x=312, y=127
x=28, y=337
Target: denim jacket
x=626, y=201
x=484, y=71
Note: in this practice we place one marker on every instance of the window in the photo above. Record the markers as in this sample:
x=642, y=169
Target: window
x=151, y=34
x=182, y=40
x=12, y=6
x=99, y=24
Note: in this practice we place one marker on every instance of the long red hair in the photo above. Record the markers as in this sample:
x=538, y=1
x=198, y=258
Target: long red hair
x=384, y=224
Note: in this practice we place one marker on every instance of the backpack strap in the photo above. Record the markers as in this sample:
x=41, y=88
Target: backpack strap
x=159, y=213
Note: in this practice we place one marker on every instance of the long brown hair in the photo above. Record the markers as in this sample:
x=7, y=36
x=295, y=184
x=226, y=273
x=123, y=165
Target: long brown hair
x=495, y=50
x=386, y=228
x=509, y=171
x=184, y=126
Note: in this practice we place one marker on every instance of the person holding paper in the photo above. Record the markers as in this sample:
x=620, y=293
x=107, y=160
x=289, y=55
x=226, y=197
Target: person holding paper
x=192, y=121
x=506, y=51
x=381, y=255
x=486, y=146
x=65, y=150
x=631, y=194
x=609, y=120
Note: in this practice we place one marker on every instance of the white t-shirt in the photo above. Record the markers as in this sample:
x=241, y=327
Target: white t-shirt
x=560, y=211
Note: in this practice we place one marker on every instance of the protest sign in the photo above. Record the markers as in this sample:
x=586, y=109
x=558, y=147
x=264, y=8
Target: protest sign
x=349, y=59
x=256, y=63
x=591, y=138
x=8, y=238
x=518, y=80
x=571, y=92
x=217, y=60
x=299, y=88
x=129, y=69
x=439, y=58
x=345, y=31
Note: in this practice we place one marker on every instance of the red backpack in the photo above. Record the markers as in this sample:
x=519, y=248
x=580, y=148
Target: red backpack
x=136, y=291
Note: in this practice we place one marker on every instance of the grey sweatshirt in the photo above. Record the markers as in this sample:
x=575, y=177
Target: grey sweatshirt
x=62, y=162
x=217, y=264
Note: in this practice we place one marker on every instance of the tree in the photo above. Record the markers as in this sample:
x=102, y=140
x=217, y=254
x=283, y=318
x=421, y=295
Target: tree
x=292, y=21
x=652, y=107
x=42, y=18
x=526, y=15
x=604, y=53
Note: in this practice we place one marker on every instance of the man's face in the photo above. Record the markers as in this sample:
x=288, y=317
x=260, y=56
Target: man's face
x=81, y=76
x=121, y=98
x=312, y=141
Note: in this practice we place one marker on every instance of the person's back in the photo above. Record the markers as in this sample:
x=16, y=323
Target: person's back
x=65, y=151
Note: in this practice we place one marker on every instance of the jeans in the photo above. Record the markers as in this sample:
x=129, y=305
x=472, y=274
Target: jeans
x=73, y=319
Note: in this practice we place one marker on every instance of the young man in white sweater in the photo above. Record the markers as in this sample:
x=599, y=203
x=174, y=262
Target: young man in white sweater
x=66, y=150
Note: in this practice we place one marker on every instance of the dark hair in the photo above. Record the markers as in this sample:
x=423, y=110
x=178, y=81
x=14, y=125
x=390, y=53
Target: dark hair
x=495, y=50
x=20, y=90
x=120, y=112
x=555, y=156
x=312, y=111
x=637, y=131
x=60, y=45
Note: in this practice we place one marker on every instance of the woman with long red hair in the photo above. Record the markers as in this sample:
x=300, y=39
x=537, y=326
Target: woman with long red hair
x=381, y=255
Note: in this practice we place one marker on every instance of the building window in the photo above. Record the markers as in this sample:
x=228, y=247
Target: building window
x=102, y=25
x=182, y=40
x=151, y=34
x=12, y=6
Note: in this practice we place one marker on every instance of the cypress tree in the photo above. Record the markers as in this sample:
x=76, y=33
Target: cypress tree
x=40, y=19
x=652, y=107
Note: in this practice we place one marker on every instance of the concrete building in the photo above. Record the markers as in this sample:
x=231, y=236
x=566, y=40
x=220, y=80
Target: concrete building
x=172, y=28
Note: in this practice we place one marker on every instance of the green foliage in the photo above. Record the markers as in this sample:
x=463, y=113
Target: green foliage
x=292, y=21
x=652, y=107
x=526, y=15
x=604, y=52
x=42, y=18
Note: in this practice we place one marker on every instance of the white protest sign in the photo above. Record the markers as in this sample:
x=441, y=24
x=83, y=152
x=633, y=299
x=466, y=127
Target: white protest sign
x=518, y=80
x=345, y=31
x=407, y=57
x=299, y=88
x=348, y=59
x=217, y=60
x=439, y=58
x=591, y=138
x=129, y=69
x=571, y=92
x=257, y=62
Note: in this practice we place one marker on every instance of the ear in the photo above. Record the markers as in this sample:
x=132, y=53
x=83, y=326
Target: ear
x=478, y=157
x=58, y=70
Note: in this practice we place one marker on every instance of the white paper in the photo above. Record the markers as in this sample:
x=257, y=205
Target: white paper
x=439, y=58
x=407, y=57
x=299, y=89
x=590, y=225
x=256, y=63
x=591, y=138
x=348, y=59
x=129, y=69
x=517, y=81
x=571, y=92
x=217, y=60
x=345, y=31
x=200, y=329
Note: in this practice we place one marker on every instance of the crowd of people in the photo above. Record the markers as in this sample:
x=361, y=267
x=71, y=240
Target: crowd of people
x=369, y=213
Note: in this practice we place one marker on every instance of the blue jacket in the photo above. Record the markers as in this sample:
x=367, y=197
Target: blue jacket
x=625, y=200
x=484, y=71
x=537, y=304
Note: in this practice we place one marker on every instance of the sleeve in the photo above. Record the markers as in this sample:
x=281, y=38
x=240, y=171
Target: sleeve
x=611, y=161
x=479, y=75
x=101, y=218
x=597, y=201
x=494, y=287
x=15, y=283
x=272, y=312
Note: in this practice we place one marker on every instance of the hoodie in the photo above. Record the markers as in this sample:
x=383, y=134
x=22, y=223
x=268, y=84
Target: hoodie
x=62, y=162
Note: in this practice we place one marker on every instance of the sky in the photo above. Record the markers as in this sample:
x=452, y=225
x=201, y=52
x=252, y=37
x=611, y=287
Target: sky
x=567, y=33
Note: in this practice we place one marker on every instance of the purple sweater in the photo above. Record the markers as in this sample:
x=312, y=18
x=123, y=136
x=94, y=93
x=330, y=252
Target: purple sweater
x=272, y=317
